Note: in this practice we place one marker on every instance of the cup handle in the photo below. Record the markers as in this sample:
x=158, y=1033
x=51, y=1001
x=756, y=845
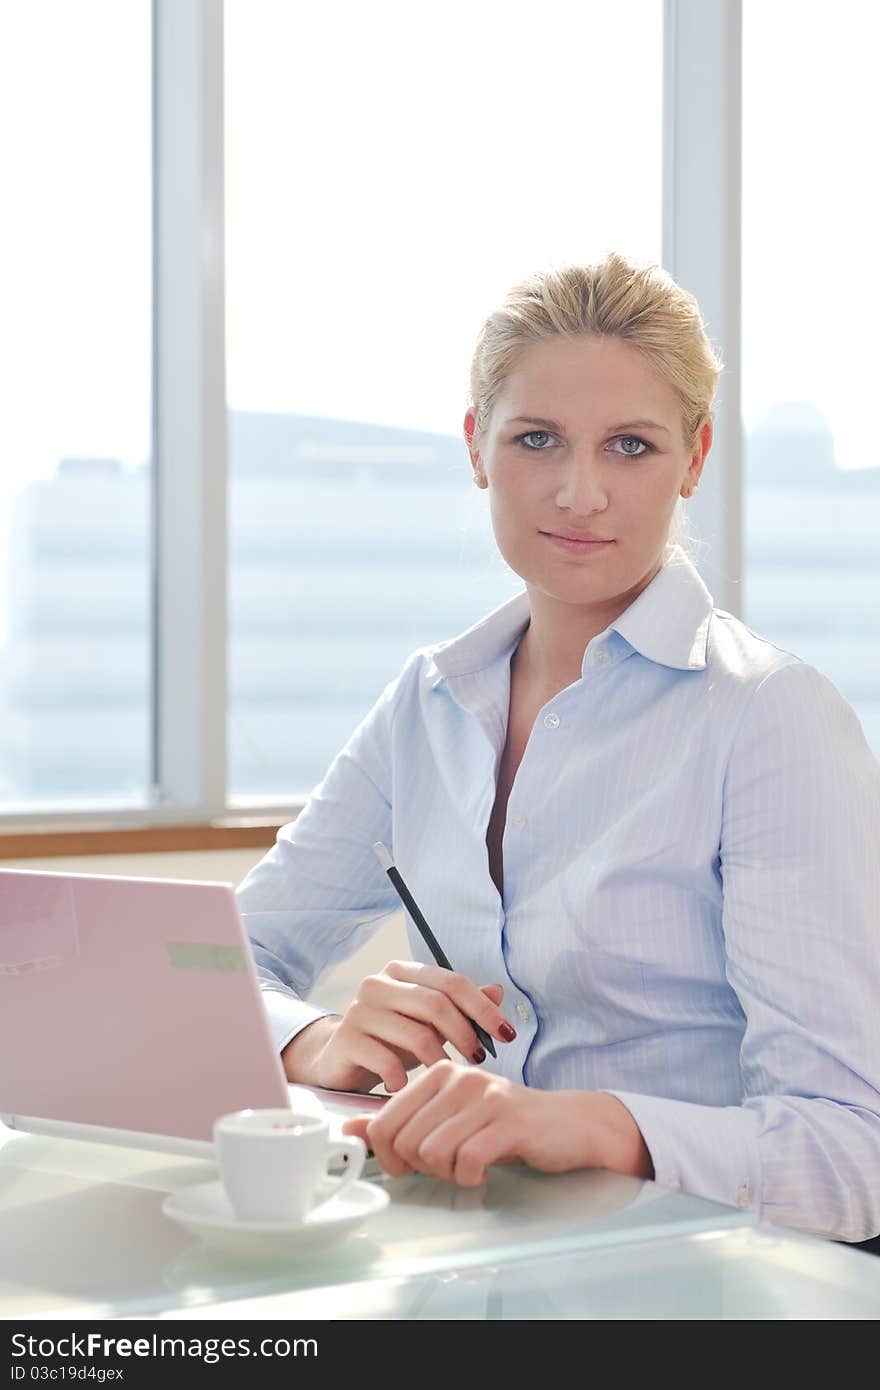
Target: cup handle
x=355, y=1150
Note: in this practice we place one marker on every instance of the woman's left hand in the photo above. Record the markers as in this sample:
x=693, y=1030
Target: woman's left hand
x=453, y=1122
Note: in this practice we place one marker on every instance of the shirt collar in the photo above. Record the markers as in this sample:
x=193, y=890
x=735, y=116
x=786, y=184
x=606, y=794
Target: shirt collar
x=668, y=623
x=483, y=643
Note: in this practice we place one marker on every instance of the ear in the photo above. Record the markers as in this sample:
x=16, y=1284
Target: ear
x=698, y=458
x=470, y=421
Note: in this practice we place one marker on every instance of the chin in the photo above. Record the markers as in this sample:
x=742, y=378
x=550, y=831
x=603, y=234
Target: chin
x=572, y=587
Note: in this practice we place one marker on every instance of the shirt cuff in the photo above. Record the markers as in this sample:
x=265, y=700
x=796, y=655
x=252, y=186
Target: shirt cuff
x=709, y=1151
x=289, y=1015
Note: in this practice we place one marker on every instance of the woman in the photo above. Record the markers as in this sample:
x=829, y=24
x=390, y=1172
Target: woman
x=646, y=837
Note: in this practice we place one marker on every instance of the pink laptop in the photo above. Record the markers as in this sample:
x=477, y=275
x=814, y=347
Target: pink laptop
x=129, y=1010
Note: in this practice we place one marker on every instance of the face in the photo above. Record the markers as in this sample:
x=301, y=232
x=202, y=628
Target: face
x=569, y=458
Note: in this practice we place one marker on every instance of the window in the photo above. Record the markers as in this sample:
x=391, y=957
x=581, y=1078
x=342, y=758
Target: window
x=75, y=356
x=386, y=181
x=811, y=224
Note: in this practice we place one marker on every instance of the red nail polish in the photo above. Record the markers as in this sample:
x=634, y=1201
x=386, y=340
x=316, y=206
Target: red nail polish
x=480, y=1055
x=507, y=1033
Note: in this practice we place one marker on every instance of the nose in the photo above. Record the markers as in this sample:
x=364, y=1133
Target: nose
x=582, y=489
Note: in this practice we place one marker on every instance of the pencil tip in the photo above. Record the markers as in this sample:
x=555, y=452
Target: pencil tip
x=383, y=856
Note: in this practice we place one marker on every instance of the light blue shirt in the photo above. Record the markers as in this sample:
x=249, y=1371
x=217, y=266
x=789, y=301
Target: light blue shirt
x=691, y=890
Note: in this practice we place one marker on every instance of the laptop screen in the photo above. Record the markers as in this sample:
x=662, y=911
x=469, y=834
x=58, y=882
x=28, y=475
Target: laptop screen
x=129, y=1003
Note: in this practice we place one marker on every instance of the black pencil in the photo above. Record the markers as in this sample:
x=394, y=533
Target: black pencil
x=427, y=935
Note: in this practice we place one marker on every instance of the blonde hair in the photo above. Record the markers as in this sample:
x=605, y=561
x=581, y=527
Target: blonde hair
x=615, y=298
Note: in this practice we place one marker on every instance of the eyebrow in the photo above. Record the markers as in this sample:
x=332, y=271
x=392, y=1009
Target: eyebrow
x=554, y=424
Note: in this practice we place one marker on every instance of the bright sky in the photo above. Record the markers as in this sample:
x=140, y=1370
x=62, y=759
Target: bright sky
x=387, y=181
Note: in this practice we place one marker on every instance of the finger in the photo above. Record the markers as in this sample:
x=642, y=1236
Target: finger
x=431, y=1007
x=358, y=1125
x=479, y=1151
x=383, y=1128
x=493, y=992
x=420, y=1040
x=470, y=1000
x=430, y=1141
x=368, y=1052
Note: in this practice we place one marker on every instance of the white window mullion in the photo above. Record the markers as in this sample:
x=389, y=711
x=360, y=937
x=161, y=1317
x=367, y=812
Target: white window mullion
x=191, y=435
x=702, y=238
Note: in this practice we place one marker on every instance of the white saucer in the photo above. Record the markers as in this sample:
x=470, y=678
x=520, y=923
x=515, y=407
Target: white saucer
x=205, y=1211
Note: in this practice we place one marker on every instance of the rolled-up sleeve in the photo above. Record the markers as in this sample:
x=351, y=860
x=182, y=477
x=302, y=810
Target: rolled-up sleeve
x=800, y=864
x=320, y=892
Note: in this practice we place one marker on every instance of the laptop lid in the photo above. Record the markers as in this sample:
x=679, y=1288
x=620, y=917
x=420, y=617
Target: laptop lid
x=129, y=1004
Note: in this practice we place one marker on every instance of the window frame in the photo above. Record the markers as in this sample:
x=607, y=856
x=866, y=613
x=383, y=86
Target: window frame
x=701, y=248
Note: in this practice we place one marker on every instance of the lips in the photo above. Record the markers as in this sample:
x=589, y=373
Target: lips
x=567, y=535
x=579, y=544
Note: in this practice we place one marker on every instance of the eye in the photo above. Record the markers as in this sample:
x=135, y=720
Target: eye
x=634, y=439
x=530, y=434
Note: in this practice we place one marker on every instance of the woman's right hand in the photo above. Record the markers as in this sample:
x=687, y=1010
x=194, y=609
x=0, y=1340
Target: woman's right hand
x=398, y=1020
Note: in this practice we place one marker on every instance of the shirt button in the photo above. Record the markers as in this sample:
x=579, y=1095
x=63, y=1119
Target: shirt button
x=551, y=721
x=600, y=655
x=673, y=1182
x=518, y=821
x=523, y=1011
x=742, y=1196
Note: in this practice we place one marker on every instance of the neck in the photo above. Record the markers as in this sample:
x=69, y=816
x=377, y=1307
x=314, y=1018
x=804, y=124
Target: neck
x=550, y=654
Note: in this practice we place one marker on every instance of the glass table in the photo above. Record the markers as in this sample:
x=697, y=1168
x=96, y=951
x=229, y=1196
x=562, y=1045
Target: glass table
x=82, y=1235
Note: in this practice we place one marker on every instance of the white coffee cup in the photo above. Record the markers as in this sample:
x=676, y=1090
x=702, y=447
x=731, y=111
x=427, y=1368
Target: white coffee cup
x=273, y=1163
